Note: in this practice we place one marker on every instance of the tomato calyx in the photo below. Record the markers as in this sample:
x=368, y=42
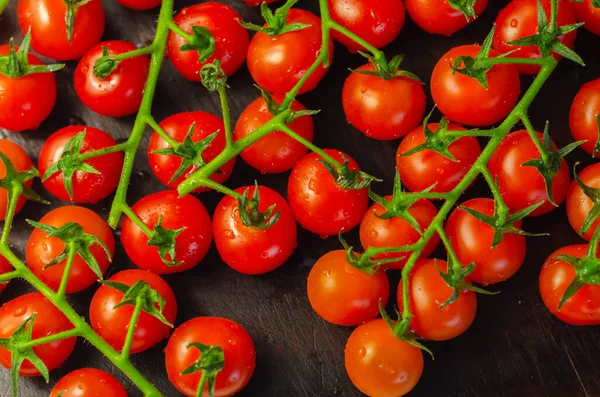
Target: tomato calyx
x=594, y=195
x=213, y=77
x=364, y=262
x=142, y=295
x=16, y=64
x=105, y=65
x=13, y=179
x=251, y=216
x=165, y=242
x=76, y=242
x=466, y=7
x=71, y=15
x=401, y=330
x=202, y=41
x=276, y=21
x=386, y=70
x=346, y=178
x=275, y=109
x=456, y=276
x=210, y=363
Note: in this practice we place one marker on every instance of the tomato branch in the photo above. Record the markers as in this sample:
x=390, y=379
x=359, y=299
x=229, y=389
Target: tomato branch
x=292, y=134
x=51, y=338
x=67, y=272
x=137, y=309
x=161, y=132
x=101, y=152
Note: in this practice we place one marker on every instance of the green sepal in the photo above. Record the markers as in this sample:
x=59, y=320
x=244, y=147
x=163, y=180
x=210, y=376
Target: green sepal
x=16, y=64
x=203, y=42
x=251, y=216
x=401, y=330
x=386, y=70
x=210, y=363
x=141, y=292
x=165, y=241
x=276, y=22
x=13, y=177
x=363, y=262
x=71, y=15
x=594, y=195
x=346, y=178
x=275, y=108
x=596, y=3
x=61, y=393
x=213, y=77
x=105, y=65
x=466, y=7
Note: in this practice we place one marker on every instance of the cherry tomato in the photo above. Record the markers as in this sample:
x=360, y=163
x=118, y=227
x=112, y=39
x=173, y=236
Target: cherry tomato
x=344, y=295
x=112, y=324
x=5, y=267
x=87, y=187
x=519, y=19
x=583, y=308
x=378, y=22
x=88, y=382
x=472, y=241
x=47, y=21
x=178, y=127
x=41, y=249
x=249, y=249
x=427, y=168
x=379, y=364
x=231, y=39
x=175, y=212
x=48, y=321
x=255, y=3
x=120, y=94
x=20, y=160
x=523, y=186
x=439, y=17
x=377, y=232
x=21, y=105
x=428, y=291
x=462, y=99
x=275, y=152
x=237, y=345
x=579, y=204
x=319, y=204
x=584, y=115
x=140, y=5
x=278, y=62
x=382, y=109
x=588, y=14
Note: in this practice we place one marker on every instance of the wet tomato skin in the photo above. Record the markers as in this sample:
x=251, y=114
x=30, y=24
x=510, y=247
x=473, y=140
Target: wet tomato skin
x=579, y=204
x=583, y=118
x=438, y=16
x=88, y=382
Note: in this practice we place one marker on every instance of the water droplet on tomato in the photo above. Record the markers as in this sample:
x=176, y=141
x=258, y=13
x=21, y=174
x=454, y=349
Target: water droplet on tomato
x=227, y=233
x=19, y=311
x=514, y=23
x=361, y=352
x=232, y=342
x=44, y=247
x=374, y=233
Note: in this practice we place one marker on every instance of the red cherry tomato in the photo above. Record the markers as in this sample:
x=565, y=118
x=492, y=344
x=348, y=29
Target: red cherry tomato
x=120, y=94
x=377, y=232
x=275, y=152
x=523, y=186
x=41, y=249
x=248, y=249
x=21, y=105
x=583, y=308
x=48, y=321
x=382, y=109
x=319, y=204
x=278, y=62
x=428, y=291
x=472, y=241
x=378, y=22
x=5, y=267
x=427, y=168
x=178, y=127
x=379, y=364
x=439, y=17
x=344, y=295
x=588, y=14
x=47, y=21
x=112, y=324
x=519, y=19
x=231, y=39
x=140, y=5
x=20, y=160
x=88, y=382
x=237, y=345
x=175, y=212
x=579, y=204
x=462, y=99
x=584, y=115
x=87, y=187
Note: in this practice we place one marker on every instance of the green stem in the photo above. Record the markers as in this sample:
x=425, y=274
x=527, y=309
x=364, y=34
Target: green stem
x=101, y=152
x=136, y=219
x=456, y=264
x=62, y=289
x=16, y=191
x=534, y=136
x=292, y=134
x=501, y=205
x=209, y=183
x=132, y=54
x=180, y=32
x=374, y=251
x=201, y=384
x=161, y=132
x=226, y=116
x=6, y=277
x=3, y=4
x=51, y=338
x=488, y=62
x=137, y=309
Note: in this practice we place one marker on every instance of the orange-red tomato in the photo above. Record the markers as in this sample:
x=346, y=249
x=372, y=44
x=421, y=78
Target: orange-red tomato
x=587, y=13
x=20, y=160
x=584, y=114
x=439, y=17
x=579, y=204
x=88, y=382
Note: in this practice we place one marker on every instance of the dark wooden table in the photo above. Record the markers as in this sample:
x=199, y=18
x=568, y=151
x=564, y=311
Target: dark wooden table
x=514, y=348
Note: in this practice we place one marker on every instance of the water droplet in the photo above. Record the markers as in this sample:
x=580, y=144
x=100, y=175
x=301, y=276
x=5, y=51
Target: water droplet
x=514, y=23
x=19, y=311
x=361, y=352
x=440, y=171
x=363, y=90
x=326, y=273
x=373, y=233
x=44, y=247
x=80, y=386
x=232, y=342
x=227, y=233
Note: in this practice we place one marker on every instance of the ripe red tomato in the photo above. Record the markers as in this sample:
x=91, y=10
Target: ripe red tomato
x=254, y=3
x=472, y=242
x=88, y=382
x=48, y=321
x=178, y=127
x=275, y=152
x=382, y=109
x=278, y=62
x=112, y=324
x=428, y=291
x=588, y=14
x=584, y=115
x=439, y=17
x=379, y=364
x=427, y=168
x=519, y=19
x=462, y=99
x=20, y=160
x=231, y=39
x=248, y=249
x=41, y=249
x=377, y=232
x=523, y=186
x=140, y=5
x=120, y=94
x=87, y=187
x=583, y=308
x=238, y=349
x=21, y=105
x=344, y=295
x=378, y=22
x=175, y=212
x=47, y=21
x=319, y=204
x=579, y=204
x=5, y=267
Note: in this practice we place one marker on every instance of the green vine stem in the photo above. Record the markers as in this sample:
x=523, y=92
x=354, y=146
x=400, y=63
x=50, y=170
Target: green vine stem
x=3, y=4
